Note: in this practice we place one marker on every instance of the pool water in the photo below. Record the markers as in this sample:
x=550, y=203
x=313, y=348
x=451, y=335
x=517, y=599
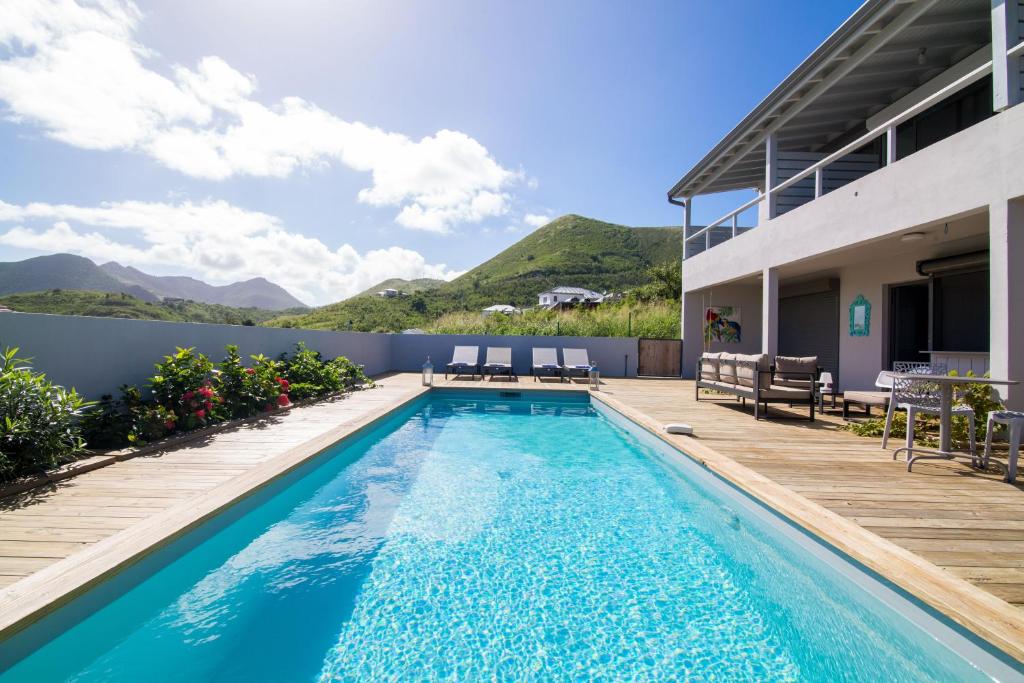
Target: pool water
x=473, y=536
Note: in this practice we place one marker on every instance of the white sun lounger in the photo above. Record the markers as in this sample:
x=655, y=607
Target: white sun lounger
x=498, y=362
x=545, y=361
x=464, y=359
x=575, y=361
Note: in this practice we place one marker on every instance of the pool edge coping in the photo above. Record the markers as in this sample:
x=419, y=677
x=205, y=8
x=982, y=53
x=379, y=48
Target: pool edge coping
x=987, y=616
x=41, y=593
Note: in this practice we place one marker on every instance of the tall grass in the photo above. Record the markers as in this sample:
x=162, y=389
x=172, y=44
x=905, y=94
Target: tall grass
x=656, y=320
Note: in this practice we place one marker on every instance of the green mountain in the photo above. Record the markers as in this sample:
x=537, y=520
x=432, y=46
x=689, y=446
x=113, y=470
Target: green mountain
x=119, y=305
x=572, y=251
x=407, y=286
x=63, y=271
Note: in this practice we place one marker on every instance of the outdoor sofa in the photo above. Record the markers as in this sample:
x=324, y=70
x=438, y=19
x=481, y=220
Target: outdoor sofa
x=791, y=380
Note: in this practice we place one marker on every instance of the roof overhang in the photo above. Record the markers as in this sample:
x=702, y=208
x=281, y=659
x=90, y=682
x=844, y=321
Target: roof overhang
x=871, y=61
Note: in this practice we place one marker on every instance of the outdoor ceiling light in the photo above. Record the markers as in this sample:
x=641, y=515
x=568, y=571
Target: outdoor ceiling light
x=912, y=237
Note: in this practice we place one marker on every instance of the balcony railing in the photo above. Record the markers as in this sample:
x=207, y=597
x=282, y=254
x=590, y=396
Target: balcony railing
x=817, y=170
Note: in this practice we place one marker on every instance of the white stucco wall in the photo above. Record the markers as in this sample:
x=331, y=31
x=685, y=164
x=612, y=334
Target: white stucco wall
x=98, y=355
x=747, y=297
x=861, y=358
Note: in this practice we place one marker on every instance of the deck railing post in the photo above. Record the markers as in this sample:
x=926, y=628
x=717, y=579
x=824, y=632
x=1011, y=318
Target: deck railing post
x=771, y=165
x=1006, y=79
x=890, y=145
x=735, y=223
x=819, y=182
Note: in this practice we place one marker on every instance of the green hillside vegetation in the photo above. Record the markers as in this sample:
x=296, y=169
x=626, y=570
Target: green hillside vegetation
x=571, y=251
x=119, y=305
x=655, y=320
x=407, y=286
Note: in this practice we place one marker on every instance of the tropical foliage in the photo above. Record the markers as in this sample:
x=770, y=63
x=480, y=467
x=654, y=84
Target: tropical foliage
x=189, y=391
x=980, y=397
x=38, y=419
x=656, y=320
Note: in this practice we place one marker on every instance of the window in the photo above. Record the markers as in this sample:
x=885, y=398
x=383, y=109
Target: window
x=961, y=111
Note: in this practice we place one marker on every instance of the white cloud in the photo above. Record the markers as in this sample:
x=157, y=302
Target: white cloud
x=535, y=220
x=78, y=73
x=212, y=239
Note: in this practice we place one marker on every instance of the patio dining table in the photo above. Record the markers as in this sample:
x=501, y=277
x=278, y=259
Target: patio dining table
x=946, y=384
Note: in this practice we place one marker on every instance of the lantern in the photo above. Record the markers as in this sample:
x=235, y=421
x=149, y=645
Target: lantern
x=595, y=378
x=428, y=373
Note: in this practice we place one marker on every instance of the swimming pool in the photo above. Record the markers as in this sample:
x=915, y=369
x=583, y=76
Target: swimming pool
x=478, y=535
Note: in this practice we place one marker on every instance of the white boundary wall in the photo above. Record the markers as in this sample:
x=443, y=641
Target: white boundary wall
x=97, y=355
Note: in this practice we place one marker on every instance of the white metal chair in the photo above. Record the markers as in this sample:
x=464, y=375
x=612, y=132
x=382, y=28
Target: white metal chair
x=1014, y=422
x=885, y=381
x=825, y=385
x=921, y=396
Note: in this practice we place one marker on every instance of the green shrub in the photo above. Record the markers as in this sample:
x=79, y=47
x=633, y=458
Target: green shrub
x=309, y=375
x=247, y=391
x=980, y=397
x=38, y=419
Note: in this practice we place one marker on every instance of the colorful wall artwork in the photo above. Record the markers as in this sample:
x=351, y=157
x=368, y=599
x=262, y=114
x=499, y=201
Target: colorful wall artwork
x=722, y=324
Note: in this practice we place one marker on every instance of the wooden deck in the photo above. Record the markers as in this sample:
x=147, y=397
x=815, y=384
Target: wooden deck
x=44, y=525
x=968, y=523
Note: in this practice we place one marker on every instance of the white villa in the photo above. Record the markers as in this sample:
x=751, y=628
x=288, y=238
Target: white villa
x=568, y=295
x=887, y=182
x=388, y=293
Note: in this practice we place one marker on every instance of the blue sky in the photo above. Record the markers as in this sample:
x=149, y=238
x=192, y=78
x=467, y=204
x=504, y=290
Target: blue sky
x=334, y=144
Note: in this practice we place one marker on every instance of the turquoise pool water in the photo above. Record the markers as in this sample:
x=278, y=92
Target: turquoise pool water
x=476, y=537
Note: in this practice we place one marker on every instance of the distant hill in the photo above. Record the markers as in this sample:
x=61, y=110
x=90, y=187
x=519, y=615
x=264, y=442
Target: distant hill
x=119, y=305
x=407, y=286
x=63, y=271
x=572, y=250
x=254, y=293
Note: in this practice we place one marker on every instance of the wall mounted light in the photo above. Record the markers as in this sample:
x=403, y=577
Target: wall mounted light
x=912, y=237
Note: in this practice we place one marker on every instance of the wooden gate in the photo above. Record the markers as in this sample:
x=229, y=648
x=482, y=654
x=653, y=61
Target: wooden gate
x=660, y=357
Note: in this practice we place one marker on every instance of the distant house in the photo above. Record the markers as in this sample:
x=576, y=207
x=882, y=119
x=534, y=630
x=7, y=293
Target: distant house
x=501, y=308
x=388, y=293
x=563, y=297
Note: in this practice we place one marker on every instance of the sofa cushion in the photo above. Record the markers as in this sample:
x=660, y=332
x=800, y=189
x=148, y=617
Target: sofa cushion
x=794, y=369
x=748, y=364
x=776, y=393
x=709, y=366
x=727, y=368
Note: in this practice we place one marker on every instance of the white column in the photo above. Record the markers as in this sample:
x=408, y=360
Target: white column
x=1006, y=285
x=766, y=209
x=890, y=145
x=770, y=312
x=687, y=218
x=1005, y=71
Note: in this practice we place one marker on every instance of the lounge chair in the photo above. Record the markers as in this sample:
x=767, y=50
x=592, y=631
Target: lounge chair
x=464, y=359
x=498, y=362
x=545, y=361
x=575, y=361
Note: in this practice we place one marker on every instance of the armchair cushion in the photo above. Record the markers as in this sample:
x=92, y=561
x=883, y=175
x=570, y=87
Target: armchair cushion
x=794, y=371
x=748, y=365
